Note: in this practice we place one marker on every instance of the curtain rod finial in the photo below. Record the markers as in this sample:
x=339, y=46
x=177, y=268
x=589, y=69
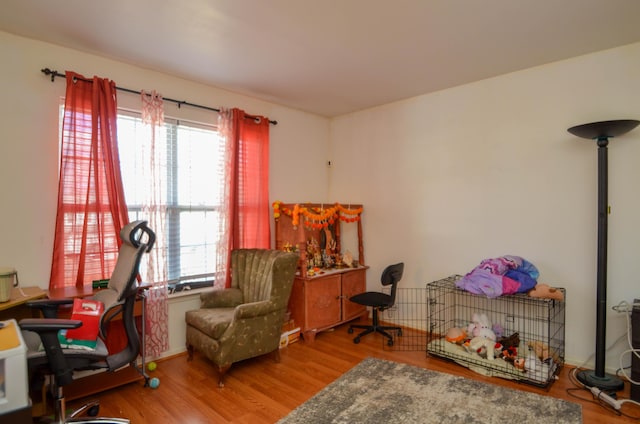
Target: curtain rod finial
x=48, y=71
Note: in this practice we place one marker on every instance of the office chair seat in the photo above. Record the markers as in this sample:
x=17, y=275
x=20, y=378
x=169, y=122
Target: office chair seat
x=379, y=302
x=77, y=359
x=374, y=299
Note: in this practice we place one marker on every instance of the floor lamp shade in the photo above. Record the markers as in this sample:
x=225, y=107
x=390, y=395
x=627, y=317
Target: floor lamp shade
x=601, y=132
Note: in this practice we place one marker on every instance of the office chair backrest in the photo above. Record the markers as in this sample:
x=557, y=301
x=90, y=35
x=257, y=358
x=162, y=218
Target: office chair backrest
x=391, y=276
x=133, y=247
x=120, y=295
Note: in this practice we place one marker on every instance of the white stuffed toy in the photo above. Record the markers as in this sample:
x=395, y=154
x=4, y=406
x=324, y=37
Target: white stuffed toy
x=535, y=368
x=479, y=343
x=481, y=327
x=482, y=337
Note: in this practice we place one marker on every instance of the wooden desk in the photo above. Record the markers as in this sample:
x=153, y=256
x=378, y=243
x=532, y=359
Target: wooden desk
x=15, y=307
x=71, y=292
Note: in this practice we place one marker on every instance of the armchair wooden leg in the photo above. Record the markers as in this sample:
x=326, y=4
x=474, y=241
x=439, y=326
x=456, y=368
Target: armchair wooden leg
x=189, y=353
x=276, y=355
x=190, y=350
x=222, y=370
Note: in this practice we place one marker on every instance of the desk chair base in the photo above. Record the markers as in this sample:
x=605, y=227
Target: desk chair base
x=375, y=327
x=86, y=414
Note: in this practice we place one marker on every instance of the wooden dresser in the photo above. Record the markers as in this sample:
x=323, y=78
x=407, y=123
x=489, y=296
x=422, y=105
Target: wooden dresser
x=322, y=301
x=324, y=283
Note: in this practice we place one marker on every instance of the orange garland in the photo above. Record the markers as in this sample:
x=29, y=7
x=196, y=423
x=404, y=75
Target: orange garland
x=296, y=215
x=342, y=209
x=346, y=211
x=322, y=218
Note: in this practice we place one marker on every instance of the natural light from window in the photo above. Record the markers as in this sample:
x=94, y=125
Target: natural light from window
x=192, y=176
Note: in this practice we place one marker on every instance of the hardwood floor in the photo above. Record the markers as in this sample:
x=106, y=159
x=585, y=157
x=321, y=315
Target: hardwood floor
x=262, y=391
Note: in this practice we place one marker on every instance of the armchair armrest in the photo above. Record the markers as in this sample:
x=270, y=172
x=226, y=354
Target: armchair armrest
x=49, y=307
x=225, y=298
x=254, y=309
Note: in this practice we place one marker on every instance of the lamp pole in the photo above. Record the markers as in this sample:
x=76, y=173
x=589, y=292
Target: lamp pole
x=601, y=132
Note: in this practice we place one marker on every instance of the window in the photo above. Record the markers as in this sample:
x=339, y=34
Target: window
x=192, y=176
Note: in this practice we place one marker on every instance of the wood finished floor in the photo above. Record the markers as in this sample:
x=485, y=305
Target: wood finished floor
x=261, y=391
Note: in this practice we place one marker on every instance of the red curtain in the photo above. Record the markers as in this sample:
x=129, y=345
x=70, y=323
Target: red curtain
x=91, y=204
x=247, y=193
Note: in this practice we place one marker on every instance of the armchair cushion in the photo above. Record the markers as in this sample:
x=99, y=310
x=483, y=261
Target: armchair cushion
x=210, y=321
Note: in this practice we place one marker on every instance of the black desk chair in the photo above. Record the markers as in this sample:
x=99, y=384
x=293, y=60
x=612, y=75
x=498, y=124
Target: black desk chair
x=379, y=302
x=119, y=299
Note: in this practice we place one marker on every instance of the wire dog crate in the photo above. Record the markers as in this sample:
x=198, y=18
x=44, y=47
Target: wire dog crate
x=410, y=313
x=537, y=323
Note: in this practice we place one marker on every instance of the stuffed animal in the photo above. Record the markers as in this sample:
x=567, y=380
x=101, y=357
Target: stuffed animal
x=509, y=354
x=542, y=351
x=535, y=368
x=480, y=326
x=455, y=335
x=483, y=346
x=518, y=363
x=497, y=330
x=544, y=291
x=511, y=341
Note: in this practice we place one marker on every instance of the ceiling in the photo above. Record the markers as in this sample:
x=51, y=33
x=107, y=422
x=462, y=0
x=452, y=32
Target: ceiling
x=329, y=57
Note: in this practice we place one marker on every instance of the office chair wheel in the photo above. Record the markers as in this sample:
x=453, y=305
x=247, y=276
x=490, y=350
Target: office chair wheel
x=350, y=330
x=94, y=411
x=356, y=340
x=399, y=332
x=89, y=409
x=390, y=342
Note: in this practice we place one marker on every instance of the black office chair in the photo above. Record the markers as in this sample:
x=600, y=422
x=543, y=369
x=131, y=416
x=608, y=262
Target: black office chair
x=119, y=299
x=379, y=302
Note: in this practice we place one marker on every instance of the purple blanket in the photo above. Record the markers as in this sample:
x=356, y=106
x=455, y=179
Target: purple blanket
x=500, y=276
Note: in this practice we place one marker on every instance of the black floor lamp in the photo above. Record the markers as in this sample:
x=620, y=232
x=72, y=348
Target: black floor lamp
x=601, y=132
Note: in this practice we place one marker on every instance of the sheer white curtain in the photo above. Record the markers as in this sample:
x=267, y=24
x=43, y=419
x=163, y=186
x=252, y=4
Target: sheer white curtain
x=223, y=258
x=154, y=209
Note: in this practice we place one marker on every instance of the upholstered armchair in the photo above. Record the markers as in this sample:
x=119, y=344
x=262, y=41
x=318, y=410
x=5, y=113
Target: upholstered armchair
x=245, y=320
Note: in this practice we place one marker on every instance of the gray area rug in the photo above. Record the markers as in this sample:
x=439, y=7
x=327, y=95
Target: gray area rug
x=379, y=391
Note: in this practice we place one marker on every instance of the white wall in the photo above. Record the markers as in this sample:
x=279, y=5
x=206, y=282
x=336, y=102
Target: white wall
x=488, y=169
x=29, y=146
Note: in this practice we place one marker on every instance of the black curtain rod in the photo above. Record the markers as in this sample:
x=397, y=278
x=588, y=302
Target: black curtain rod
x=180, y=103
